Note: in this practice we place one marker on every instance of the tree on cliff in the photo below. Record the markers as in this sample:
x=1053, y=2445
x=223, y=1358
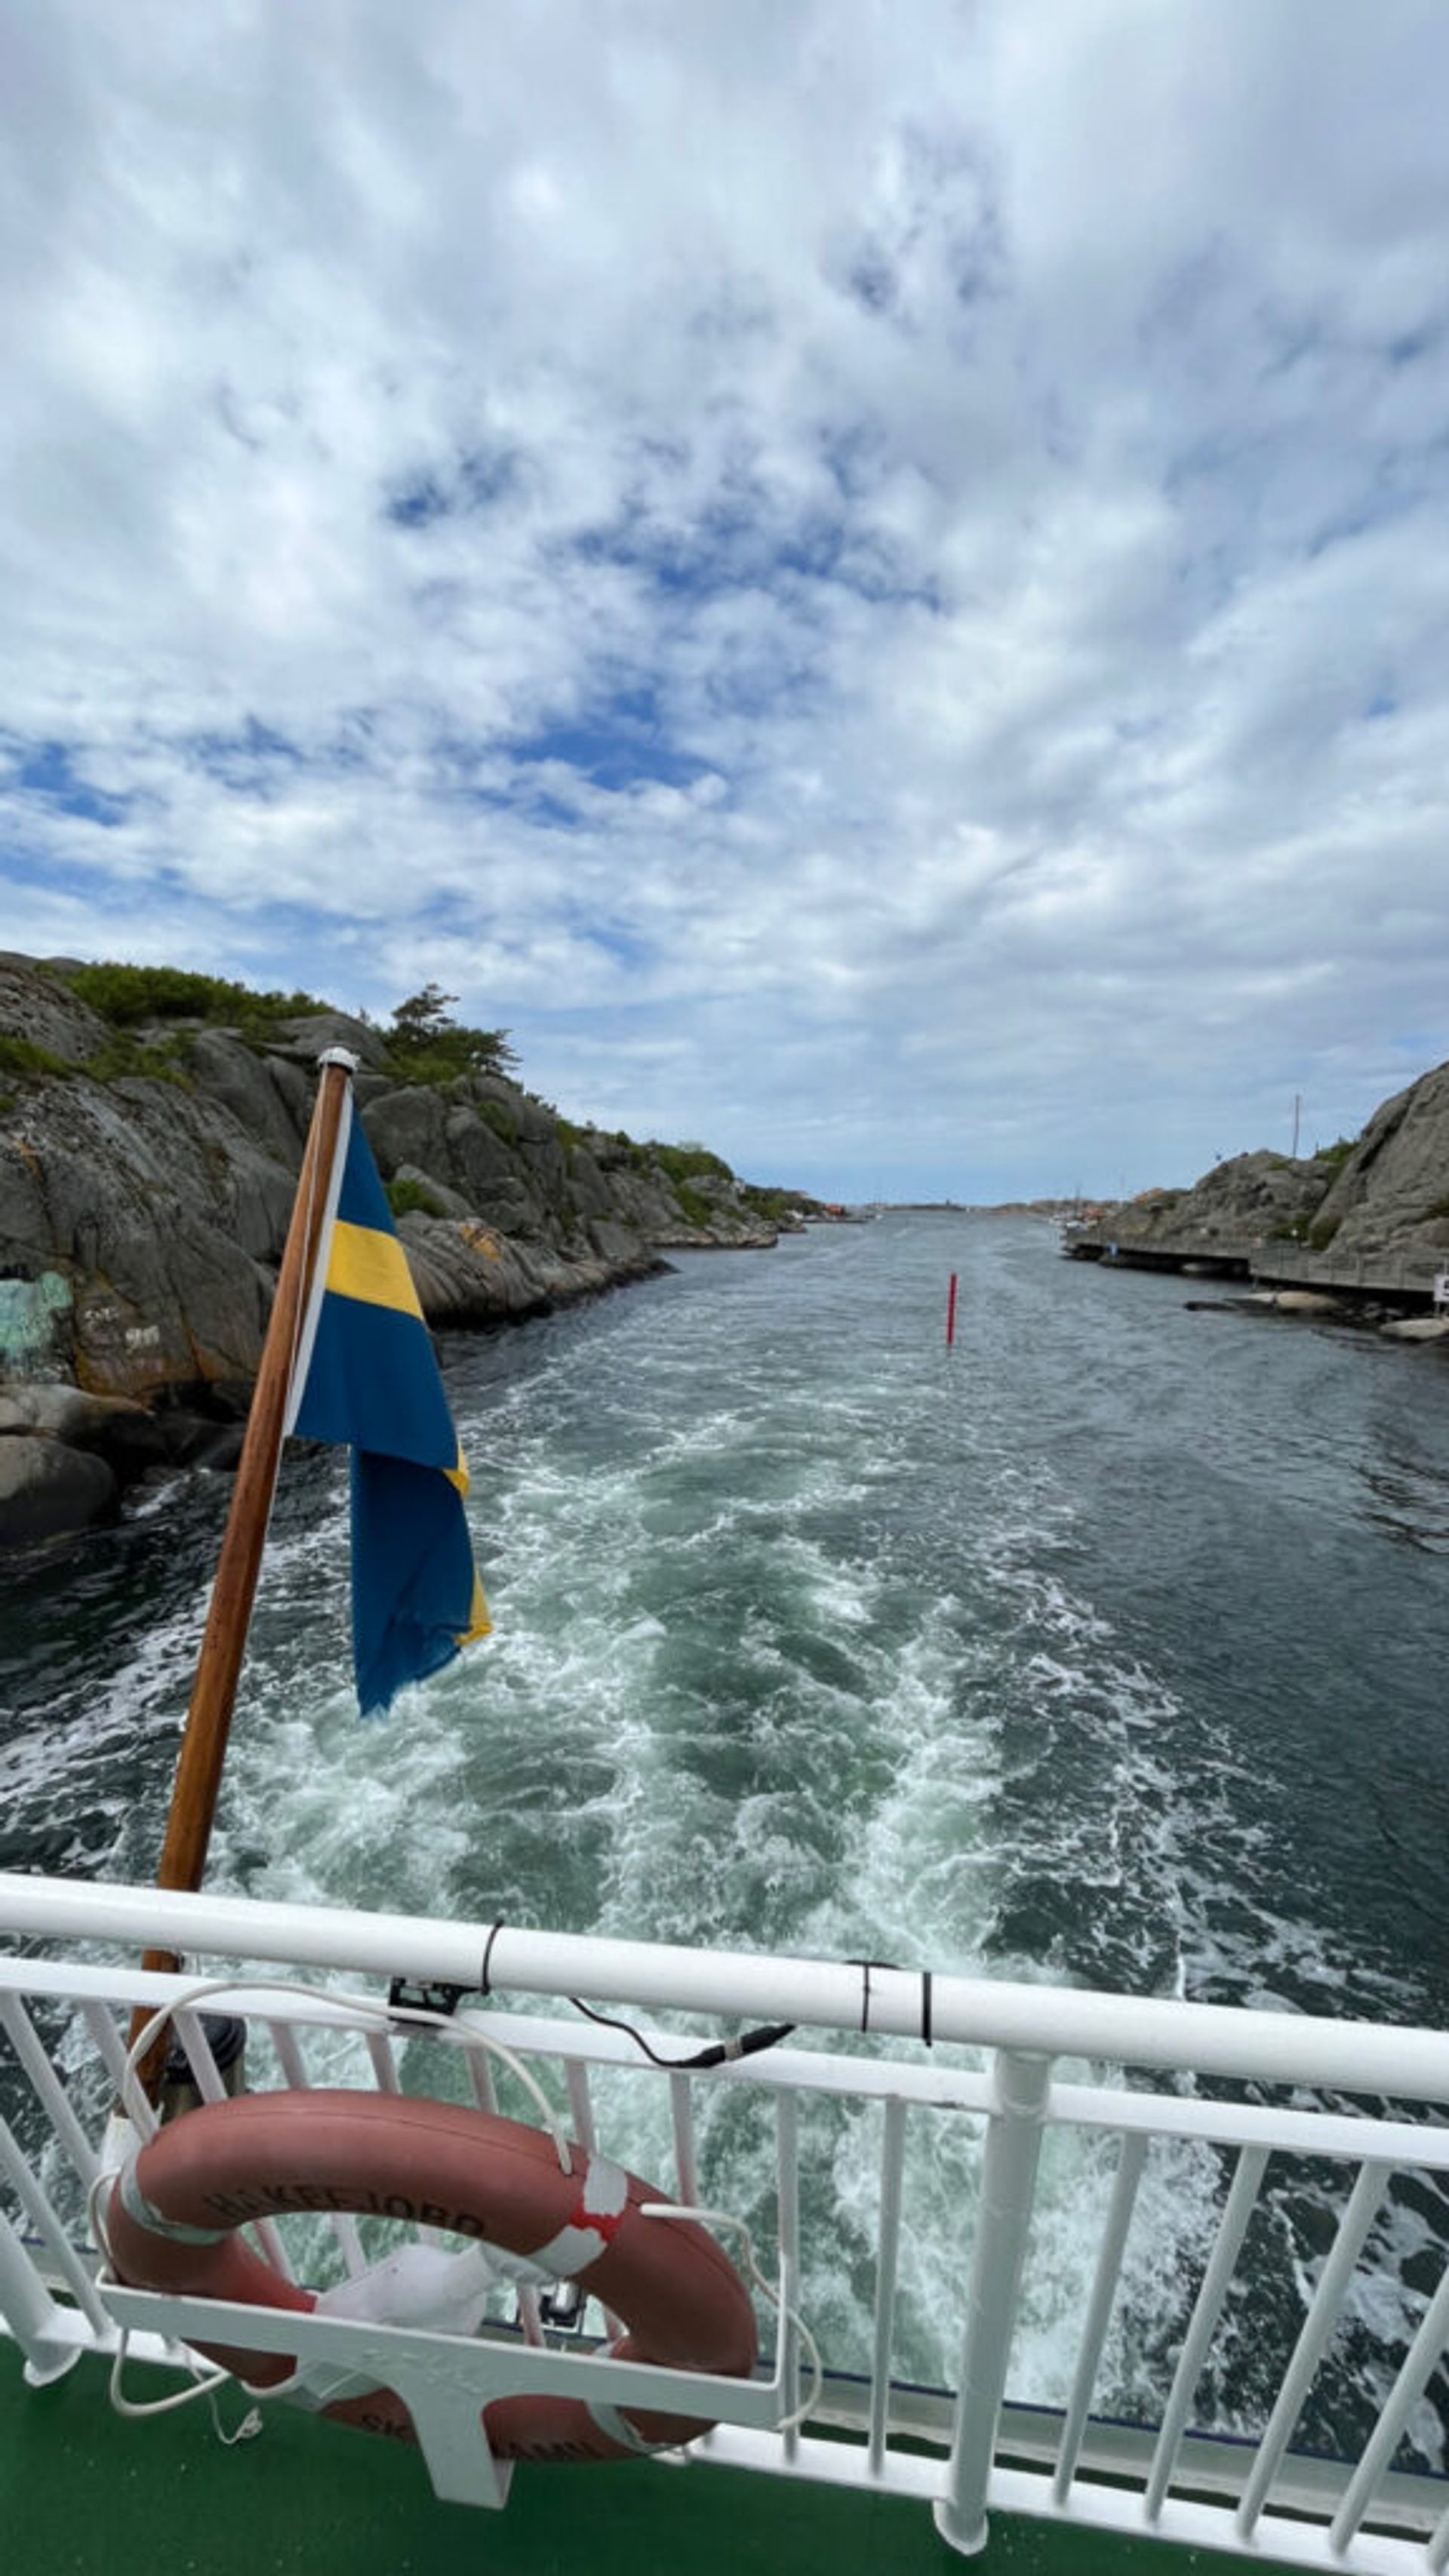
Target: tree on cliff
x=428, y=1045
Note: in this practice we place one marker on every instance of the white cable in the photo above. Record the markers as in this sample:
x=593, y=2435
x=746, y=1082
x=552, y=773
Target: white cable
x=135, y=2409
x=439, y=2024
x=207, y=2382
x=726, y=2218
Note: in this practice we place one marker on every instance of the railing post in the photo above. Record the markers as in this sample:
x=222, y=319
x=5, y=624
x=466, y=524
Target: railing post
x=1008, y=2188
x=31, y=2314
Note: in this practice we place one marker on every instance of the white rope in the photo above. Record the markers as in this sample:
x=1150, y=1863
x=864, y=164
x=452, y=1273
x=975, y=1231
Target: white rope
x=783, y=2310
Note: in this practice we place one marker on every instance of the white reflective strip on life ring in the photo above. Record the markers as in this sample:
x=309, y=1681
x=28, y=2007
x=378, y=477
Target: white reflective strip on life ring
x=617, y=2428
x=592, y=2223
x=155, y=2221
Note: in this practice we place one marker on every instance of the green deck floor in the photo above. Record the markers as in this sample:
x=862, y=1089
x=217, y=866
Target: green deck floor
x=83, y=2494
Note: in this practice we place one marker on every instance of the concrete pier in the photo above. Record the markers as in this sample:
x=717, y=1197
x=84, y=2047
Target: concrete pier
x=1268, y=1264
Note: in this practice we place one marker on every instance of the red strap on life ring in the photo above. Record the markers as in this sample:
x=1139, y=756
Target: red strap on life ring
x=174, y=2214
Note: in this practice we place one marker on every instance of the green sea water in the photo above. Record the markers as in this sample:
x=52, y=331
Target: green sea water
x=1107, y=1647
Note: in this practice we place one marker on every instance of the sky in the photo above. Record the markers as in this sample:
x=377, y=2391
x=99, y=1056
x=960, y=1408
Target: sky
x=869, y=581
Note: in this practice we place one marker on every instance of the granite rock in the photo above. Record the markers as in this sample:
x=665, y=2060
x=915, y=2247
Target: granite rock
x=143, y=1213
x=48, y=1489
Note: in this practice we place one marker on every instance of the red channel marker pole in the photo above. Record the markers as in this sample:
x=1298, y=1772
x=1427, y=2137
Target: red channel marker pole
x=951, y=1313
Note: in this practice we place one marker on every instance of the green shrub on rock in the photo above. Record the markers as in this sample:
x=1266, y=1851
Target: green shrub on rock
x=413, y=1198
x=127, y=995
x=22, y=1057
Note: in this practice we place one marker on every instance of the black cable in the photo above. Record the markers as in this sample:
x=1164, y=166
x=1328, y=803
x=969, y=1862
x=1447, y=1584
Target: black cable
x=865, y=1966
x=721, y=2052
x=484, y=1987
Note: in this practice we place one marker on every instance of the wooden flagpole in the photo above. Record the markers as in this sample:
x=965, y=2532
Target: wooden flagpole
x=218, y=1669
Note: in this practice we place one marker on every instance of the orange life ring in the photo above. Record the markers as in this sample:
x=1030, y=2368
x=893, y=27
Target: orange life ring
x=173, y=2215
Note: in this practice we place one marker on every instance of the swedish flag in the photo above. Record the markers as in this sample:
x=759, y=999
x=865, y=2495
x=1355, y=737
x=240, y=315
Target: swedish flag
x=366, y=1376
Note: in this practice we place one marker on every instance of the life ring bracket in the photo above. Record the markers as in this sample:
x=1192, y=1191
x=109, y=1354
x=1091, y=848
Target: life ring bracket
x=446, y=2381
x=174, y=2237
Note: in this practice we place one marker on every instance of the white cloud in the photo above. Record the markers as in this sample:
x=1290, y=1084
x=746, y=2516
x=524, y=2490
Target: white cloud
x=872, y=584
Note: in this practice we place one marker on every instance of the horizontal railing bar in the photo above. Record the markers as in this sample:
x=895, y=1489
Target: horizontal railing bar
x=1336, y=2134
x=1320, y=2133
x=1023, y=2492
x=1019, y=2492
x=1209, y=2464
x=1101, y=2106
x=1210, y=2039
x=841, y=2464
x=786, y=2070
x=1186, y=2524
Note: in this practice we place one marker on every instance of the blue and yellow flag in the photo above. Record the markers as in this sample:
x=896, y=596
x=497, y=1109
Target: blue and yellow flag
x=366, y=1376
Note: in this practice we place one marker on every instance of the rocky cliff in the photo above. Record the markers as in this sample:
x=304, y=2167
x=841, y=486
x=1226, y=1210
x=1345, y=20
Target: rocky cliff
x=1385, y=1195
x=147, y=1164
x=1390, y=1193
x=1244, y=1200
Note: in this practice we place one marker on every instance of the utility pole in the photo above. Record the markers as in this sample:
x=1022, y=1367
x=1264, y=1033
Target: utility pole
x=1297, y=1112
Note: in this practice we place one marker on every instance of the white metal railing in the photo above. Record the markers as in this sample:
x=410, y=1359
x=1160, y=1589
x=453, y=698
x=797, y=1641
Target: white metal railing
x=965, y=2450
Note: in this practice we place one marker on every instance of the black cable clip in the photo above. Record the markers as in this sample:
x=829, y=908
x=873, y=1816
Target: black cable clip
x=414, y=1994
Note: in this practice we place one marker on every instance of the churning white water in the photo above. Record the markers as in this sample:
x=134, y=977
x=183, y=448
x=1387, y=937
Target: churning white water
x=1105, y=1647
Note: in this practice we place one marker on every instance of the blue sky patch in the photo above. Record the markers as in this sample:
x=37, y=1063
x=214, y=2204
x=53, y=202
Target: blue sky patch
x=48, y=771
x=417, y=503
x=248, y=758
x=619, y=744
x=473, y=480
